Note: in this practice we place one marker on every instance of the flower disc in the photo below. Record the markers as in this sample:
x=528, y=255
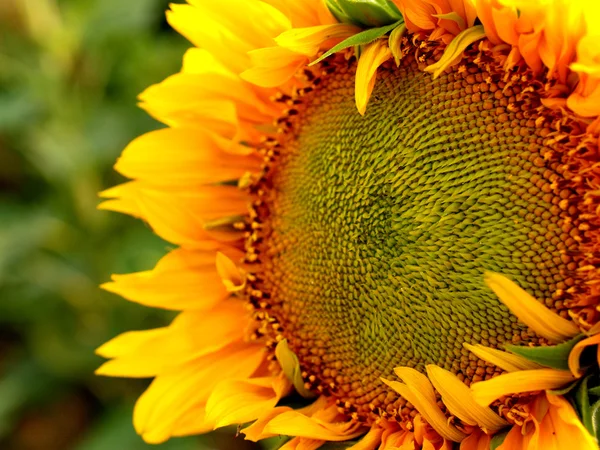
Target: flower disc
x=378, y=229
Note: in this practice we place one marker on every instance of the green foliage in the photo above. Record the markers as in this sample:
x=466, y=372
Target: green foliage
x=70, y=71
x=586, y=399
x=554, y=356
x=364, y=13
x=498, y=440
x=362, y=38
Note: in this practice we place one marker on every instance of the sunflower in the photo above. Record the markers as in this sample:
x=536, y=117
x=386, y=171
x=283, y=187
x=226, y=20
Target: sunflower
x=386, y=224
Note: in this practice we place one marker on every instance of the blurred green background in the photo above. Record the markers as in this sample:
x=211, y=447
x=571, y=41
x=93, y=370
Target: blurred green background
x=70, y=71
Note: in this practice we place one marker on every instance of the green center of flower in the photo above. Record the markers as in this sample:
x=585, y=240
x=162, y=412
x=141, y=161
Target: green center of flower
x=380, y=228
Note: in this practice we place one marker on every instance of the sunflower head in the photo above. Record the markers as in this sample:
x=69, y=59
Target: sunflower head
x=387, y=207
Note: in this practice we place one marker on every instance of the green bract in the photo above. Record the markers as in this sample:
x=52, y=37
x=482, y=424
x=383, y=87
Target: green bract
x=362, y=38
x=555, y=356
x=364, y=13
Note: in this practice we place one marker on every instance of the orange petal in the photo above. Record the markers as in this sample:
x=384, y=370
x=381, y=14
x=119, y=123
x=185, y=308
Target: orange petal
x=561, y=428
x=576, y=352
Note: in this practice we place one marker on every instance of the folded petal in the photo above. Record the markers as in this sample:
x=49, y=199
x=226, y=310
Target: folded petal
x=171, y=395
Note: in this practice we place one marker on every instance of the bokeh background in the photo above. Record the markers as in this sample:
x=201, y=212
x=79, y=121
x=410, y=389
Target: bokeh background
x=70, y=71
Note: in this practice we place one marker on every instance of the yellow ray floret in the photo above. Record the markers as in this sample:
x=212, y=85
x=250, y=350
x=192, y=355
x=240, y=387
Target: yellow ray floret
x=228, y=29
x=241, y=401
x=308, y=41
x=459, y=400
x=506, y=361
x=231, y=275
x=192, y=334
x=419, y=391
x=453, y=52
x=195, y=158
x=486, y=392
x=174, y=396
x=529, y=311
x=182, y=280
x=374, y=55
x=369, y=441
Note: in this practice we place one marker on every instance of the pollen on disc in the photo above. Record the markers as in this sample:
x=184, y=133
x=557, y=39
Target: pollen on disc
x=377, y=230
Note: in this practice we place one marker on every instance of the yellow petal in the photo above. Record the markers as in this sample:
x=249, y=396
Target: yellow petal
x=485, y=392
x=256, y=431
x=191, y=335
x=529, y=311
x=304, y=13
x=273, y=66
x=575, y=355
x=506, y=361
x=395, y=42
x=231, y=275
x=172, y=395
x=121, y=201
x=184, y=218
x=192, y=422
x=453, y=52
x=459, y=400
x=308, y=41
x=293, y=423
x=370, y=441
x=416, y=380
x=129, y=341
x=430, y=411
x=242, y=401
x=193, y=158
x=229, y=29
x=180, y=100
x=300, y=443
x=374, y=55
x=183, y=279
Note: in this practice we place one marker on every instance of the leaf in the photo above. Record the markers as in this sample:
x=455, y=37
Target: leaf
x=291, y=368
x=498, y=439
x=554, y=356
x=362, y=38
x=364, y=13
x=595, y=419
x=595, y=391
x=455, y=49
x=565, y=390
x=582, y=401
